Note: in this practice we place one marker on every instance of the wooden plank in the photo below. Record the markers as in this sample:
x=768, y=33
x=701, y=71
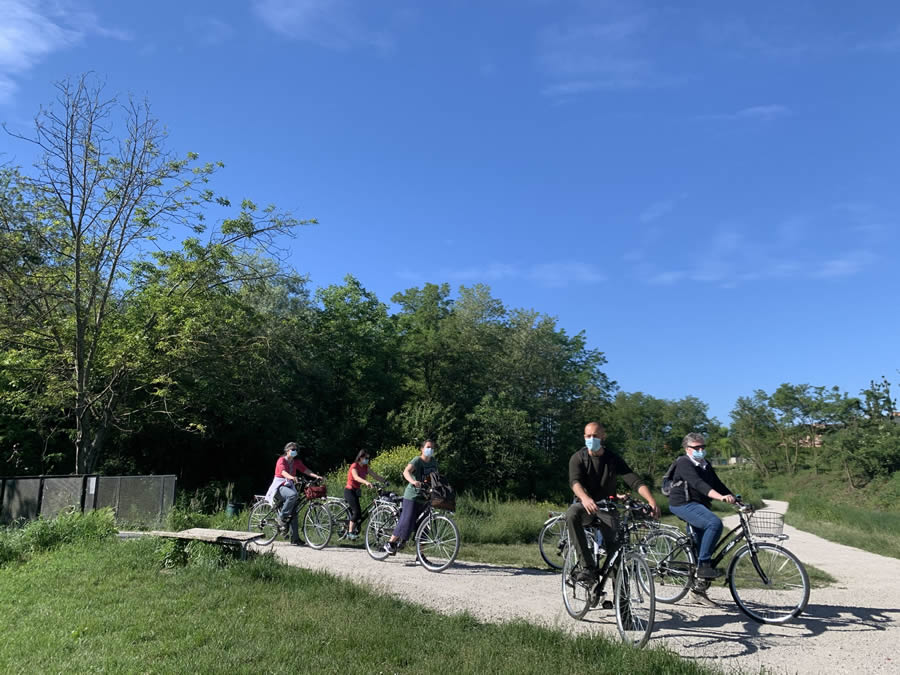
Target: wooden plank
x=210, y=535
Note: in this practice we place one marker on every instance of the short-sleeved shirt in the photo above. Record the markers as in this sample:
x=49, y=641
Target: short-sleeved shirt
x=420, y=469
x=362, y=470
x=598, y=474
x=292, y=466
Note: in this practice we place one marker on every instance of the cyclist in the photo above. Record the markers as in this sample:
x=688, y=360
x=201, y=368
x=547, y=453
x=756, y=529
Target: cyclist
x=592, y=475
x=416, y=473
x=287, y=468
x=695, y=485
x=356, y=476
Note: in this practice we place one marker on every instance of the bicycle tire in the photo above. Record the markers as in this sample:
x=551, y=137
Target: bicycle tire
x=551, y=541
x=317, y=525
x=634, y=599
x=671, y=560
x=437, y=542
x=381, y=525
x=340, y=516
x=576, y=596
x=783, y=597
x=262, y=520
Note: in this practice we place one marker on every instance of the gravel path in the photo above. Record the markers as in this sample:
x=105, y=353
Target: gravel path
x=852, y=626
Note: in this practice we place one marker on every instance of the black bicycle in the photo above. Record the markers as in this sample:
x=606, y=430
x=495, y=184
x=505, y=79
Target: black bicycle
x=633, y=596
x=767, y=582
x=317, y=525
x=340, y=511
x=436, y=533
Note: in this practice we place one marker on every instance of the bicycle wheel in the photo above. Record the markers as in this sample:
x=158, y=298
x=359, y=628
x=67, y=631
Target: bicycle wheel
x=381, y=524
x=779, y=597
x=634, y=599
x=262, y=520
x=552, y=542
x=437, y=543
x=340, y=516
x=576, y=596
x=671, y=560
x=317, y=525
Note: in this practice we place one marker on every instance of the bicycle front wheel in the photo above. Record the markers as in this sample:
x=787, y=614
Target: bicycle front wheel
x=381, y=524
x=634, y=599
x=769, y=585
x=576, y=596
x=262, y=521
x=340, y=516
x=437, y=543
x=671, y=561
x=317, y=525
x=552, y=542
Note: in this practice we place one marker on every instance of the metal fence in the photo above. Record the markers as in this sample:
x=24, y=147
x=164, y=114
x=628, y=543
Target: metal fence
x=137, y=499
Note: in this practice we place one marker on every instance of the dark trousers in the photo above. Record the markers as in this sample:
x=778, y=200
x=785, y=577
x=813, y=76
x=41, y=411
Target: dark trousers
x=577, y=518
x=408, y=514
x=352, y=499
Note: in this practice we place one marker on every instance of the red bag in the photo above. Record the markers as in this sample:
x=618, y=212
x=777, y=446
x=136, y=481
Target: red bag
x=315, y=491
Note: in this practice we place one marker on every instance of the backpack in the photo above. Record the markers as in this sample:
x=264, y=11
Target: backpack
x=669, y=482
x=443, y=496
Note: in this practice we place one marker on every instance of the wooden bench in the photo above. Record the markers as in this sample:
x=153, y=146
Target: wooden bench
x=227, y=538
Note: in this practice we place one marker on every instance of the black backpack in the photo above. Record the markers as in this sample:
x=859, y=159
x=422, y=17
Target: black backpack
x=669, y=482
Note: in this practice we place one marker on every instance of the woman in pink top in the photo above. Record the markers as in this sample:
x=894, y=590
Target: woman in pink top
x=287, y=468
x=356, y=476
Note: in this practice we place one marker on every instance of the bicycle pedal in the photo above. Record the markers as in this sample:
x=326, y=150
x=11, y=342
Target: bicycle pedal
x=607, y=604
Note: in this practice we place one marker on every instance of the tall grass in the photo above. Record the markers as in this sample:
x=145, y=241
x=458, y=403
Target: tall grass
x=19, y=543
x=111, y=608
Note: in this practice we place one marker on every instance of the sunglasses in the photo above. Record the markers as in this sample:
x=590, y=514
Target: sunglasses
x=697, y=447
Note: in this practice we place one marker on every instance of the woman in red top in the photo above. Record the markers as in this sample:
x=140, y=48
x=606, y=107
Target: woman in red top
x=287, y=468
x=356, y=476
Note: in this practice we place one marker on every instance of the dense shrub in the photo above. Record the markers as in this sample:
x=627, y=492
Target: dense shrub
x=390, y=463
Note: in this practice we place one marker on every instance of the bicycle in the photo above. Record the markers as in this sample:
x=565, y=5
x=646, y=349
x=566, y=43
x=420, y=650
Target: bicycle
x=768, y=583
x=317, y=524
x=552, y=539
x=340, y=511
x=633, y=595
x=436, y=534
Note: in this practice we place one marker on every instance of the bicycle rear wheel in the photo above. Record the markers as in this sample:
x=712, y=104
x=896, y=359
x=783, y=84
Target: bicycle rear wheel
x=340, y=516
x=381, y=524
x=576, y=596
x=262, y=520
x=552, y=542
x=437, y=543
x=634, y=599
x=671, y=561
x=317, y=525
x=778, y=597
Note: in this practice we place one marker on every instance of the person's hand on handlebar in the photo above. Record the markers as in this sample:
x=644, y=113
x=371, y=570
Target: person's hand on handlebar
x=729, y=499
x=589, y=504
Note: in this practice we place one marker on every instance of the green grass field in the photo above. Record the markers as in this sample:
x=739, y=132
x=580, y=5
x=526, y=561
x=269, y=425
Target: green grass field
x=109, y=606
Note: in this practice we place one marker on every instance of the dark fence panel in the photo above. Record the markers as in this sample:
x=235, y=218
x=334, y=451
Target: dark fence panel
x=135, y=499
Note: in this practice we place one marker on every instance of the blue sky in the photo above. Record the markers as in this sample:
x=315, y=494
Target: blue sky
x=707, y=189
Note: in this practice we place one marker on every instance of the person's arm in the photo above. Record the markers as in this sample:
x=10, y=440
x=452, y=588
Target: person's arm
x=634, y=482
x=358, y=478
x=376, y=476
x=688, y=472
x=284, y=472
x=575, y=481
x=407, y=474
x=301, y=468
x=720, y=492
x=644, y=492
x=586, y=500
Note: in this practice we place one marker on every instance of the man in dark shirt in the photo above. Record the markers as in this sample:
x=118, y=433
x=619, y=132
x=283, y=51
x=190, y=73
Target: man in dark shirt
x=695, y=485
x=593, y=473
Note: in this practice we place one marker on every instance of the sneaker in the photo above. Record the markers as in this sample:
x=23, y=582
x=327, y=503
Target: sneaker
x=707, y=571
x=352, y=535
x=388, y=547
x=586, y=575
x=298, y=542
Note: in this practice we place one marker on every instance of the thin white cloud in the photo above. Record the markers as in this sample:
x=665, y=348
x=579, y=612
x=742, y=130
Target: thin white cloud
x=580, y=56
x=657, y=210
x=846, y=265
x=760, y=113
x=32, y=30
x=553, y=274
x=335, y=24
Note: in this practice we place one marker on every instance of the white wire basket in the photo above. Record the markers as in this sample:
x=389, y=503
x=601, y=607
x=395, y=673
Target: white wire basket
x=766, y=524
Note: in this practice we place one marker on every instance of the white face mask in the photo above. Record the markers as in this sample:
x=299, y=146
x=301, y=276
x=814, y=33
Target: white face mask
x=428, y=452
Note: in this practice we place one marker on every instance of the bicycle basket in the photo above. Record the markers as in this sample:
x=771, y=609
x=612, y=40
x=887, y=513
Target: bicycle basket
x=315, y=491
x=766, y=524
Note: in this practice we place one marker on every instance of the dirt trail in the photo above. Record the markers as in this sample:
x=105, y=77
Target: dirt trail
x=852, y=626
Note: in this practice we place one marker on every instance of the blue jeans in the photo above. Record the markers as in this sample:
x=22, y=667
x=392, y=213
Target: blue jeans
x=290, y=496
x=707, y=527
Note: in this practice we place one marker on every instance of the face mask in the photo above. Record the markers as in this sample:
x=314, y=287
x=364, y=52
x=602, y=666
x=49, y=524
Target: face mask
x=698, y=454
x=293, y=453
x=364, y=461
x=593, y=444
x=429, y=452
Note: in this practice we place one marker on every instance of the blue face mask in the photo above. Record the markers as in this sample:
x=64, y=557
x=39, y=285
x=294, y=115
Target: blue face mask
x=293, y=453
x=428, y=452
x=364, y=461
x=698, y=454
x=593, y=444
